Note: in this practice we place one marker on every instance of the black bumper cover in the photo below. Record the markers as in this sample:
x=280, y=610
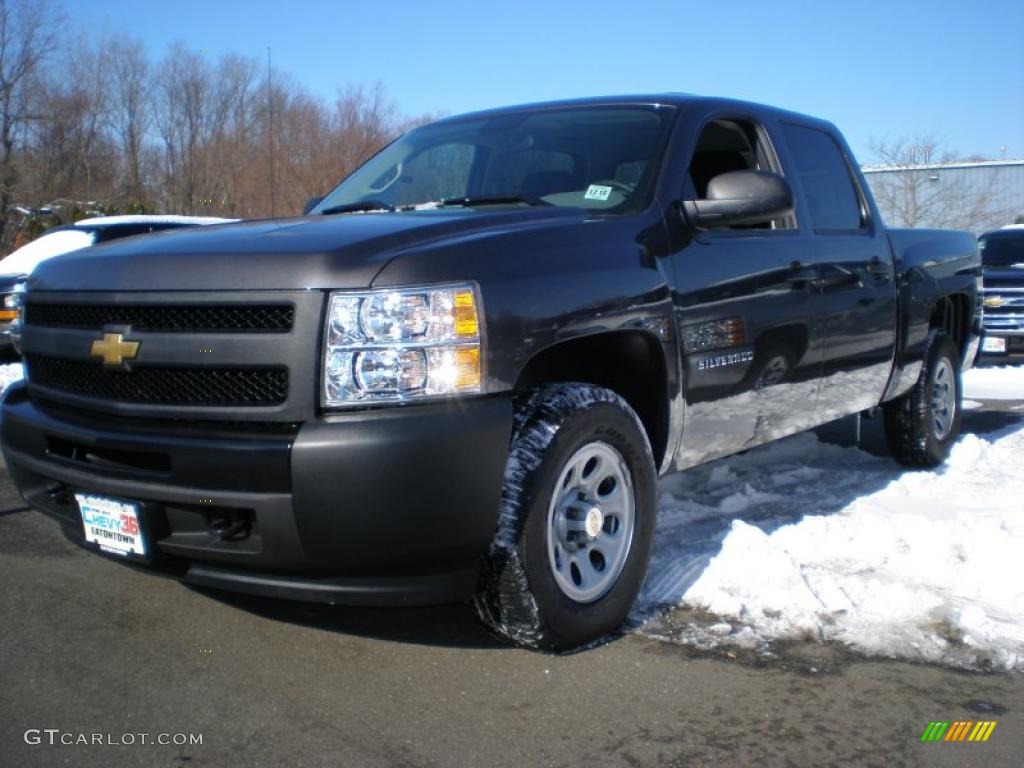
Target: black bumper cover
x=1014, y=347
x=380, y=507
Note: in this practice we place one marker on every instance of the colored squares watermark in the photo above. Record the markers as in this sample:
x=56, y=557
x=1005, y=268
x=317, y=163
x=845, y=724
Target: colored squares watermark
x=958, y=730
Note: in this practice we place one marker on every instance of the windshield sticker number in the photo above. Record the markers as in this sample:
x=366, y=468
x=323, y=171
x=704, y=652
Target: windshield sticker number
x=597, y=192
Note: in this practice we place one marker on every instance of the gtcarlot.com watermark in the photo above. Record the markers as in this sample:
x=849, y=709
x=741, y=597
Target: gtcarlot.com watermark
x=56, y=737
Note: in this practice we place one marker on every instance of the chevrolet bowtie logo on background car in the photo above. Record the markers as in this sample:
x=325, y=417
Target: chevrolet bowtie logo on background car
x=958, y=730
x=114, y=349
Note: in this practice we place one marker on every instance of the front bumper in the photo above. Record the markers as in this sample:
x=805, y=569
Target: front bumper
x=1012, y=336
x=6, y=344
x=378, y=507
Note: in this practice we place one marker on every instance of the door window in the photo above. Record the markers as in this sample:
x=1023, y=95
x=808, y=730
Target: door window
x=733, y=145
x=831, y=196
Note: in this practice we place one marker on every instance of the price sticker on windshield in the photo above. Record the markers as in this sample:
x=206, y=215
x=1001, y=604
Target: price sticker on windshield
x=597, y=192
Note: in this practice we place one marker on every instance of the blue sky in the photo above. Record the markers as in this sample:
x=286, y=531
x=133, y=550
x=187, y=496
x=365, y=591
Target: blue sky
x=880, y=69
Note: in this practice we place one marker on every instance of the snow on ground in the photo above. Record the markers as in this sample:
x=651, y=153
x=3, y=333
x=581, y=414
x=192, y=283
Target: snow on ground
x=996, y=383
x=808, y=540
x=9, y=373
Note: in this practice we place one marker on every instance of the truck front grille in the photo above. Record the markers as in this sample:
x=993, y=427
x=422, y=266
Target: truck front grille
x=228, y=355
x=166, y=318
x=159, y=385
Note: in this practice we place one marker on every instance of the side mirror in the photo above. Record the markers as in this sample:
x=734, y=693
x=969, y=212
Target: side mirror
x=312, y=203
x=740, y=197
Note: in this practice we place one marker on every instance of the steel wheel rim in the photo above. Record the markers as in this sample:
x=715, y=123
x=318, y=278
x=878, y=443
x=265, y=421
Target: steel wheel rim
x=590, y=523
x=943, y=399
x=774, y=372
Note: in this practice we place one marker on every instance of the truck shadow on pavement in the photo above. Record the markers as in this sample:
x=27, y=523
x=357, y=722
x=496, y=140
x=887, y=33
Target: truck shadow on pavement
x=453, y=626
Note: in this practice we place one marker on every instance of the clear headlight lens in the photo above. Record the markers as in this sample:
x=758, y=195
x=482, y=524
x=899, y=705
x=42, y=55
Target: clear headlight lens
x=400, y=344
x=15, y=304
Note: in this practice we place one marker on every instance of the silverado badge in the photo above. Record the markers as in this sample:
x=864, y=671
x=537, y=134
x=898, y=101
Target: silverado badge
x=114, y=349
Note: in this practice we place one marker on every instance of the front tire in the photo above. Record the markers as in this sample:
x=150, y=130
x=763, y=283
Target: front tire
x=922, y=425
x=577, y=519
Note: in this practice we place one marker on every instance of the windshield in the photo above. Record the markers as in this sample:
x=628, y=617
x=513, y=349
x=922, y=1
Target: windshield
x=1002, y=250
x=599, y=158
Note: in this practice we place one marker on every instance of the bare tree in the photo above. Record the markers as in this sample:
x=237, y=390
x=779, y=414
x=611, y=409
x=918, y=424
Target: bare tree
x=27, y=39
x=913, y=189
x=88, y=87
x=182, y=114
x=99, y=126
x=129, y=114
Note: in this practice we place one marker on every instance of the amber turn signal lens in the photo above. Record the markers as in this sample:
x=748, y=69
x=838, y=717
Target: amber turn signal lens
x=466, y=324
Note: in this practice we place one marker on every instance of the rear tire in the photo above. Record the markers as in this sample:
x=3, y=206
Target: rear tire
x=922, y=425
x=577, y=518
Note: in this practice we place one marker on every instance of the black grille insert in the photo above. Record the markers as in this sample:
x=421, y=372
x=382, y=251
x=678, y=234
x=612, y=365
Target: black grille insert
x=162, y=385
x=166, y=318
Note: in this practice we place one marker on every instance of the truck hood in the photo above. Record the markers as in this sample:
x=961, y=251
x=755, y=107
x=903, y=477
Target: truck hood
x=341, y=251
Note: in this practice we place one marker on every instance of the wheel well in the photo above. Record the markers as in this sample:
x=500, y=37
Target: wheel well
x=630, y=363
x=790, y=337
x=954, y=314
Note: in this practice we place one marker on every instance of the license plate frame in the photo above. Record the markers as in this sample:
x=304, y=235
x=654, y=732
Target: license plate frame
x=993, y=344
x=113, y=526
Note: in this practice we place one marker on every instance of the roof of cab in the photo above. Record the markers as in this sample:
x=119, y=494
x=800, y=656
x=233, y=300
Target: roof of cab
x=650, y=99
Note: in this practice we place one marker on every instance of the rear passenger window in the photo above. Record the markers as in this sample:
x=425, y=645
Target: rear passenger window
x=828, y=187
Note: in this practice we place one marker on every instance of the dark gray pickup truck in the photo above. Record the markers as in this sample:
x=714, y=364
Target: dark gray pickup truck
x=461, y=374
x=1002, y=258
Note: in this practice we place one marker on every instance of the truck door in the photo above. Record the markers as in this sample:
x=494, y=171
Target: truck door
x=748, y=310
x=857, y=279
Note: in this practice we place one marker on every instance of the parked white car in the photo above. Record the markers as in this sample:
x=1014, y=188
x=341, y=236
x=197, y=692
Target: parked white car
x=82, y=234
x=73, y=237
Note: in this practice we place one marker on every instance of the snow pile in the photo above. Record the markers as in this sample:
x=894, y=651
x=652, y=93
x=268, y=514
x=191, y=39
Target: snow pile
x=9, y=374
x=920, y=565
x=997, y=383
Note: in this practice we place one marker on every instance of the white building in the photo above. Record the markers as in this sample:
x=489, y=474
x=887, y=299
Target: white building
x=976, y=196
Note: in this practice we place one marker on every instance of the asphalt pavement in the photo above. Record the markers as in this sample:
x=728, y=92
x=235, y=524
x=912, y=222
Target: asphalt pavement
x=92, y=650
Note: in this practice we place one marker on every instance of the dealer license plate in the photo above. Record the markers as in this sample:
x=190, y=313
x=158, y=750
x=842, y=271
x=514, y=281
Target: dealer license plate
x=111, y=524
x=993, y=344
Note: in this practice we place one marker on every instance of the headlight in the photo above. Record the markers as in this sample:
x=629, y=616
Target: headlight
x=15, y=303
x=395, y=345
x=12, y=303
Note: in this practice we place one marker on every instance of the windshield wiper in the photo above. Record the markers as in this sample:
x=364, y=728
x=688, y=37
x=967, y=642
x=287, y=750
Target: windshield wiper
x=358, y=207
x=494, y=200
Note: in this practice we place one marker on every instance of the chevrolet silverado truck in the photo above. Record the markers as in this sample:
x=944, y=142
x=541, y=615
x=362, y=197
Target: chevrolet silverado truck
x=460, y=375
x=1002, y=256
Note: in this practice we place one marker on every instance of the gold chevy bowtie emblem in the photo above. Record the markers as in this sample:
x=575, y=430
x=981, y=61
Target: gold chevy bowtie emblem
x=114, y=349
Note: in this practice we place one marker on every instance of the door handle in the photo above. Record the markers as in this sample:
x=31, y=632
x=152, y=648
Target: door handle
x=877, y=268
x=800, y=274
